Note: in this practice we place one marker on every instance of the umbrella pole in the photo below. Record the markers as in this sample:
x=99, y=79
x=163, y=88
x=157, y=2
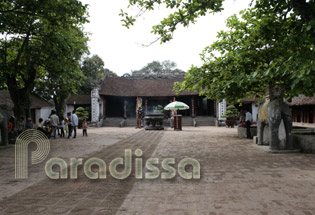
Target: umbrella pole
x=176, y=120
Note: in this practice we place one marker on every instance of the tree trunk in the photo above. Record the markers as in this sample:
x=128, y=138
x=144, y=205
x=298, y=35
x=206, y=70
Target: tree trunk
x=303, y=9
x=21, y=96
x=21, y=100
x=60, y=100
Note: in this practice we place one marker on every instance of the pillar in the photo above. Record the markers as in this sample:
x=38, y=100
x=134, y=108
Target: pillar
x=104, y=109
x=95, y=105
x=125, y=109
x=294, y=112
x=307, y=117
x=193, y=106
x=146, y=105
x=215, y=108
x=137, y=107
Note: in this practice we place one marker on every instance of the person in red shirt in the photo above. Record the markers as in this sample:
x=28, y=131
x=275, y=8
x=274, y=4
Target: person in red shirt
x=84, y=127
x=10, y=126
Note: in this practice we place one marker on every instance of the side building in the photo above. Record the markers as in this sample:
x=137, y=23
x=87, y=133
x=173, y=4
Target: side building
x=40, y=108
x=303, y=109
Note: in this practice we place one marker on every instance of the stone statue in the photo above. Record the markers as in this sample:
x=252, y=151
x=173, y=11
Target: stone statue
x=271, y=111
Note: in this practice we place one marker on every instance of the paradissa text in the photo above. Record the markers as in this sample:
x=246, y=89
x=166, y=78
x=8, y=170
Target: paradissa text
x=151, y=166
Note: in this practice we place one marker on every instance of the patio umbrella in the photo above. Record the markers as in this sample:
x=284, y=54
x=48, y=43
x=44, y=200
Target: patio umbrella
x=176, y=106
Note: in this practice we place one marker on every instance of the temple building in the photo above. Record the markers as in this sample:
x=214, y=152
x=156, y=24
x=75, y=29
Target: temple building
x=303, y=109
x=118, y=97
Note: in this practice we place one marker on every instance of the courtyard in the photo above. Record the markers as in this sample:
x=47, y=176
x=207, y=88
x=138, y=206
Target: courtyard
x=236, y=177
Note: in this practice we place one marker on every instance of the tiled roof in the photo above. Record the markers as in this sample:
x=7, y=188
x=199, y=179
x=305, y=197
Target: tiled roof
x=79, y=100
x=141, y=87
x=302, y=100
x=36, y=101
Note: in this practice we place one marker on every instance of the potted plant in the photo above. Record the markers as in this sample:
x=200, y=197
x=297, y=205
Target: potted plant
x=82, y=115
x=231, y=114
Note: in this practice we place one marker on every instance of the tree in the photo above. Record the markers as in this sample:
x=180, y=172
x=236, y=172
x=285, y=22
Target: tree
x=35, y=34
x=187, y=12
x=262, y=48
x=154, y=67
x=272, y=43
x=63, y=75
x=93, y=69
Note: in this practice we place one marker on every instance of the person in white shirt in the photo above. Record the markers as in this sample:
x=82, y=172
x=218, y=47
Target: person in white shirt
x=54, y=121
x=248, y=120
x=74, y=122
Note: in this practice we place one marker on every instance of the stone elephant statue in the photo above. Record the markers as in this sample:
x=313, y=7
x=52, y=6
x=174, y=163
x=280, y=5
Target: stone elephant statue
x=270, y=113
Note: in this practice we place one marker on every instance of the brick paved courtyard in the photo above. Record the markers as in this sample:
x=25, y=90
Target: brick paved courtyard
x=236, y=177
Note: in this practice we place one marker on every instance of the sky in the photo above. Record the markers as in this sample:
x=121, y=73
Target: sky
x=122, y=49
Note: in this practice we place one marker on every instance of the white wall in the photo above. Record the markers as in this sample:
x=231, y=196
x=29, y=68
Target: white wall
x=37, y=115
x=254, y=112
x=69, y=108
x=43, y=113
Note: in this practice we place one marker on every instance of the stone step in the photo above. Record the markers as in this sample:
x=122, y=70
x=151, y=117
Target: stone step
x=205, y=121
x=112, y=122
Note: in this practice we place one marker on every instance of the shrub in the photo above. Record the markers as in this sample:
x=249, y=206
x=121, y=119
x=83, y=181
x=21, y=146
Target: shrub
x=82, y=113
x=231, y=112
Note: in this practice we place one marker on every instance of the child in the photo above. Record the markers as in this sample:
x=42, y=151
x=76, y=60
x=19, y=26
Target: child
x=84, y=126
x=62, y=128
x=66, y=127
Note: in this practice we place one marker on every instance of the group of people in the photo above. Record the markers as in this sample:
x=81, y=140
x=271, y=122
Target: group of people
x=53, y=126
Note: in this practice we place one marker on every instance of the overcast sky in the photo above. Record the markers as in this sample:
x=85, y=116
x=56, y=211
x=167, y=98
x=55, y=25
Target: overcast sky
x=122, y=50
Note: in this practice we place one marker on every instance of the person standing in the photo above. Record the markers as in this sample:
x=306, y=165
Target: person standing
x=29, y=124
x=140, y=116
x=54, y=121
x=84, y=127
x=69, y=124
x=62, y=128
x=74, y=123
x=66, y=127
x=248, y=120
x=21, y=125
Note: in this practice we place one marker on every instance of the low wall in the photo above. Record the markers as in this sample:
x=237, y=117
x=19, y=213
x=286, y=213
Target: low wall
x=241, y=131
x=305, y=142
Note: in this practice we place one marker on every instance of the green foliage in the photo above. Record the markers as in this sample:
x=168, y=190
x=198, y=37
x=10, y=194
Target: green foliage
x=94, y=71
x=271, y=43
x=93, y=67
x=263, y=47
x=186, y=12
x=231, y=112
x=155, y=67
x=38, y=39
x=82, y=113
